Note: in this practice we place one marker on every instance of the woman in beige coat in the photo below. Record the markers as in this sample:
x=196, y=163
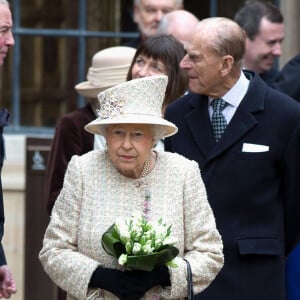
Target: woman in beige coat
x=130, y=176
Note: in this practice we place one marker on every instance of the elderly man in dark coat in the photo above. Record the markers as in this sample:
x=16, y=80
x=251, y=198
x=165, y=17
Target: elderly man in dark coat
x=246, y=138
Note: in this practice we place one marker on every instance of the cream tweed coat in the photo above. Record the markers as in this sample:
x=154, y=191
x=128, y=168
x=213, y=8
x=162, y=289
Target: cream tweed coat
x=94, y=194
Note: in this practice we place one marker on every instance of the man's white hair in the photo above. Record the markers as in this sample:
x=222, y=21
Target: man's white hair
x=178, y=2
x=4, y=2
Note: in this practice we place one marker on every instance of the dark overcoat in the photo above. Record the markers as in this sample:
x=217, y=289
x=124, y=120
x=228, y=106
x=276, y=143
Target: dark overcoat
x=252, y=178
x=288, y=79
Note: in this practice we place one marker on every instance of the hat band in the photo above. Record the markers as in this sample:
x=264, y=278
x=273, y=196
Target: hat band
x=118, y=113
x=135, y=114
x=107, y=76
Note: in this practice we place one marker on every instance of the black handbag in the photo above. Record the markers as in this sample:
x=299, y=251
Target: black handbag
x=190, y=281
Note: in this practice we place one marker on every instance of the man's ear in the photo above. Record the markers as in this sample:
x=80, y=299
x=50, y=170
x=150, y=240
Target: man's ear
x=227, y=64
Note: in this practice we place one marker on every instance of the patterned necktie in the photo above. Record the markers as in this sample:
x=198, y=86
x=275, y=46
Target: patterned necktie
x=218, y=120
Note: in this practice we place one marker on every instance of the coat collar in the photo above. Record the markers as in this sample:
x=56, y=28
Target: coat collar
x=242, y=122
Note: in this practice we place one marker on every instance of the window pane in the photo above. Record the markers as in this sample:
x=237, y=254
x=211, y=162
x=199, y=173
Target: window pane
x=48, y=74
x=49, y=14
x=52, y=63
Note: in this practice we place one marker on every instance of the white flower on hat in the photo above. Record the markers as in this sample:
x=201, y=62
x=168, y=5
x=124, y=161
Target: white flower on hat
x=137, y=101
x=110, y=107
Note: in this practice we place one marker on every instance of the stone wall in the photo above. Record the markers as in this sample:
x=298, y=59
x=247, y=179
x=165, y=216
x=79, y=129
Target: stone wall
x=13, y=181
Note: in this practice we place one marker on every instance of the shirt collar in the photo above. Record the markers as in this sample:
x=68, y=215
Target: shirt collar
x=235, y=95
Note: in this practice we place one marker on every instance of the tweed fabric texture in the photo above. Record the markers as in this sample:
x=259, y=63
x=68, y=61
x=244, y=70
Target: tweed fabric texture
x=218, y=120
x=138, y=97
x=137, y=101
x=94, y=194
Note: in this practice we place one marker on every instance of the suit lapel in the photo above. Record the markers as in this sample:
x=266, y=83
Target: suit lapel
x=242, y=122
x=198, y=122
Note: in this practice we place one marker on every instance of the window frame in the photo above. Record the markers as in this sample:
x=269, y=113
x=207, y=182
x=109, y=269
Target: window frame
x=81, y=33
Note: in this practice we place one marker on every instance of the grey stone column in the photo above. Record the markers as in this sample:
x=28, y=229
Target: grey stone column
x=291, y=44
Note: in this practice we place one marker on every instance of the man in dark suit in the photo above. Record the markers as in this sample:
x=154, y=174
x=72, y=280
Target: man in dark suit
x=263, y=24
x=252, y=172
x=7, y=283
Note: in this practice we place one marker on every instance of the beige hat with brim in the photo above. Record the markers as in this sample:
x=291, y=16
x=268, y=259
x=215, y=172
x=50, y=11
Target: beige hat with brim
x=138, y=101
x=85, y=89
x=109, y=67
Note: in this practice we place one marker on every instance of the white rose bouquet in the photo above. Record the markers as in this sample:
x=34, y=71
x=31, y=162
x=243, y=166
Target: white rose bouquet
x=140, y=244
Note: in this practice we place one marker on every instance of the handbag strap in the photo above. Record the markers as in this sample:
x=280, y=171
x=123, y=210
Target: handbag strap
x=190, y=280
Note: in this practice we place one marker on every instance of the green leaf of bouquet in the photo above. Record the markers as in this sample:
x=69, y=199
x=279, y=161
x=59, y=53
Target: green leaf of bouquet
x=147, y=262
x=112, y=245
x=171, y=264
x=142, y=262
x=166, y=254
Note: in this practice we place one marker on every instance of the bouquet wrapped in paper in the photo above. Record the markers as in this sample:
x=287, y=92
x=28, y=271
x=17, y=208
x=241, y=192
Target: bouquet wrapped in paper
x=139, y=244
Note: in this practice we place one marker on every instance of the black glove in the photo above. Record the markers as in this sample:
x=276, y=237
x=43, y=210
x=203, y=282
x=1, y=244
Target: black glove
x=129, y=285
x=161, y=275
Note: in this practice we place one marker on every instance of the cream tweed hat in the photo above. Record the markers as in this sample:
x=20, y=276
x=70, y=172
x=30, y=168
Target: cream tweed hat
x=109, y=67
x=138, y=101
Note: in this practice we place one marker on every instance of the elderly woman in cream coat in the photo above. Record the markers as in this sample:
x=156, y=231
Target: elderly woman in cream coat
x=130, y=176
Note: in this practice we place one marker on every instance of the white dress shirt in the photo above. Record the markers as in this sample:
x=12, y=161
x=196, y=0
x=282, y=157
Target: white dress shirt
x=233, y=98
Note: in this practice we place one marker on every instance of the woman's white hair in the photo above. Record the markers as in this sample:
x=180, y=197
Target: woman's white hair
x=158, y=132
x=4, y=2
